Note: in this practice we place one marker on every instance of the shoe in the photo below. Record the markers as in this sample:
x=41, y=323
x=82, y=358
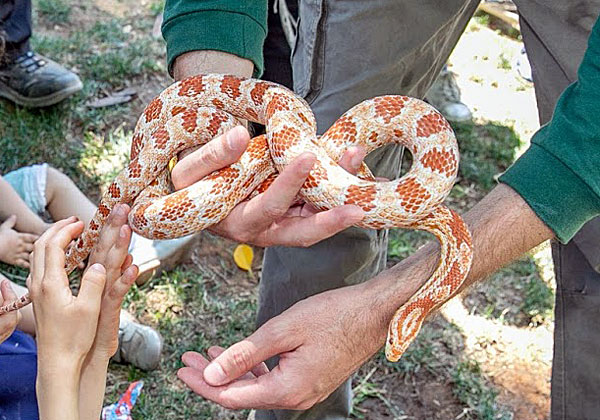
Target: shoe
x=34, y=81
x=139, y=344
x=153, y=257
x=444, y=95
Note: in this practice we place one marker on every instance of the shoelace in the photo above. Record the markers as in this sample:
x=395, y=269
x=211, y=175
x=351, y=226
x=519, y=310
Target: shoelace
x=30, y=62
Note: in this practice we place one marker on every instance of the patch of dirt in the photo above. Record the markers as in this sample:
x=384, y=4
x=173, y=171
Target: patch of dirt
x=213, y=256
x=517, y=360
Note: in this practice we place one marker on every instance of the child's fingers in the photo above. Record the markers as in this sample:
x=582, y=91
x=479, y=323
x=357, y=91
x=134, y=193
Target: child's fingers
x=117, y=255
x=10, y=222
x=52, y=230
x=7, y=294
x=22, y=262
x=92, y=287
x=110, y=233
x=26, y=246
x=28, y=238
x=38, y=257
x=54, y=259
x=127, y=263
x=121, y=287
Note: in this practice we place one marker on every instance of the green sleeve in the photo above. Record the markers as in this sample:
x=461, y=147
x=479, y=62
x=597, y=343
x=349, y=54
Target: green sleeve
x=559, y=175
x=234, y=26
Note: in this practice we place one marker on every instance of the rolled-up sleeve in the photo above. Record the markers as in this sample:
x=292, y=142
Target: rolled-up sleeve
x=559, y=175
x=232, y=26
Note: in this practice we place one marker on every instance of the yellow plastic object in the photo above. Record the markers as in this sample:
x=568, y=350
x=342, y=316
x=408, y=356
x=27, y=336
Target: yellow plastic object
x=243, y=256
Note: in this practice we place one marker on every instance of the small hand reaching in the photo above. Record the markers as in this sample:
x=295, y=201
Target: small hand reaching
x=77, y=334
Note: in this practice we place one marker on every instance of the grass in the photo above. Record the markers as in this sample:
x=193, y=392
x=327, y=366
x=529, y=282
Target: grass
x=539, y=302
x=119, y=52
x=364, y=390
x=191, y=312
x=504, y=63
x=476, y=393
x=54, y=11
x=486, y=151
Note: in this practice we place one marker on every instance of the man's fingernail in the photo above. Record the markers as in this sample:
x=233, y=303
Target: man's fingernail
x=98, y=268
x=307, y=164
x=232, y=141
x=120, y=209
x=356, y=161
x=214, y=374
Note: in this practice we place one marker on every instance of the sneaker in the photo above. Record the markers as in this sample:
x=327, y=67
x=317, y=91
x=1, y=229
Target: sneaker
x=153, y=257
x=444, y=95
x=139, y=344
x=34, y=81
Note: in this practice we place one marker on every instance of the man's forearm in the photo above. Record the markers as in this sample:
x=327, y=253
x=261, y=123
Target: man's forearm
x=198, y=62
x=503, y=227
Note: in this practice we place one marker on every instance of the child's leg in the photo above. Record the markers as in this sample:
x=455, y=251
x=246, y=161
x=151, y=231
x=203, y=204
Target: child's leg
x=64, y=199
x=12, y=203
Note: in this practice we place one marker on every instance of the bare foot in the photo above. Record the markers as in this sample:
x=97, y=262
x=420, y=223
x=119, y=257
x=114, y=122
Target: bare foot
x=15, y=246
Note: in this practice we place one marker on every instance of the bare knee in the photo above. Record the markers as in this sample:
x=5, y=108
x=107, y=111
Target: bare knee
x=55, y=180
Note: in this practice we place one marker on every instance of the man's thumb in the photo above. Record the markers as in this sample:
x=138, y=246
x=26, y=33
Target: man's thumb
x=242, y=357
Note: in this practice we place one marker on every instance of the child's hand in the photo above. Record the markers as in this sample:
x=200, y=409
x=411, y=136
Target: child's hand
x=15, y=246
x=9, y=321
x=65, y=324
x=111, y=252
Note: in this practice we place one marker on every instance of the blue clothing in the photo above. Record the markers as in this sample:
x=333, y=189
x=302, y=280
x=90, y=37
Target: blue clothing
x=18, y=367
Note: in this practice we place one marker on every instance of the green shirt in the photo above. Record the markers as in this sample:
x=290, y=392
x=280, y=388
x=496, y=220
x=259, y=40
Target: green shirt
x=558, y=176
x=238, y=27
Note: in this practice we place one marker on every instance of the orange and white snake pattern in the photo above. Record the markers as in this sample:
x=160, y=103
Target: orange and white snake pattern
x=195, y=110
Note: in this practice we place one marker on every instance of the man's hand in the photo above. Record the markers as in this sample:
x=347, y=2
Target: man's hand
x=270, y=218
x=321, y=341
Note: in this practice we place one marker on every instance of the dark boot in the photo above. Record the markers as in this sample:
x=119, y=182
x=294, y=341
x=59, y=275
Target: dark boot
x=34, y=81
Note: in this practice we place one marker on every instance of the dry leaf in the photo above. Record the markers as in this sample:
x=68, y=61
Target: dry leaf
x=114, y=98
